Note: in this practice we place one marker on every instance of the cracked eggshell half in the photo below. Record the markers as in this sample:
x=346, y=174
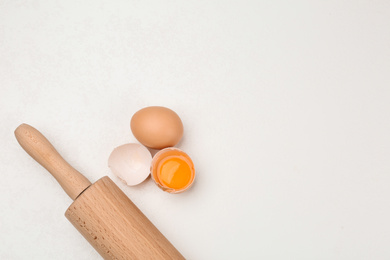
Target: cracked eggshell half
x=172, y=170
x=130, y=163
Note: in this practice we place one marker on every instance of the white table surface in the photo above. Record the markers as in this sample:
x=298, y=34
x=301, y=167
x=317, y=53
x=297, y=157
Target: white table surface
x=286, y=108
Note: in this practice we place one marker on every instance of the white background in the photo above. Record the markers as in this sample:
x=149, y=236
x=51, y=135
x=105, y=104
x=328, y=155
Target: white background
x=285, y=105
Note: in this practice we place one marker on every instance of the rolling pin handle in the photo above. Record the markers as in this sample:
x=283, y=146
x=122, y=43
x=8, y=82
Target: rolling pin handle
x=42, y=151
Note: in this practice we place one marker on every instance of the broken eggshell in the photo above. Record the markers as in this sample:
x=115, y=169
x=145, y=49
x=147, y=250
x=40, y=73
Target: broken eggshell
x=130, y=163
x=174, y=172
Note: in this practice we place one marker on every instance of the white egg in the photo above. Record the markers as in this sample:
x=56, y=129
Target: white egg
x=130, y=163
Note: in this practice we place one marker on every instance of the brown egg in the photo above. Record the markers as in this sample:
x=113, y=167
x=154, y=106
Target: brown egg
x=157, y=127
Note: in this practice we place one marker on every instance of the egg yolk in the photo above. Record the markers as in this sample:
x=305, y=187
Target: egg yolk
x=174, y=173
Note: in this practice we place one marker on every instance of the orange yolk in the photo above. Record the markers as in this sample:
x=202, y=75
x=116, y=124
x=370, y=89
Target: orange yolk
x=174, y=172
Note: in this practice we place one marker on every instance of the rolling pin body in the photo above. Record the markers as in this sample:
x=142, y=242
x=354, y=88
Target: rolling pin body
x=101, y=212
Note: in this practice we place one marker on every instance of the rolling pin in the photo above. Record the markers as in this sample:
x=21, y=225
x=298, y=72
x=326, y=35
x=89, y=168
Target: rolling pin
x=101, y=212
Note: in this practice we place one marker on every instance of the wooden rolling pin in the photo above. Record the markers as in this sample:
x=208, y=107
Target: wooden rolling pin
x=101, y=212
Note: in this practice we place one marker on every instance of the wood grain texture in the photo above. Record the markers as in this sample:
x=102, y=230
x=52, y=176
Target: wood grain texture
x=115, y=227
x=39, y=148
